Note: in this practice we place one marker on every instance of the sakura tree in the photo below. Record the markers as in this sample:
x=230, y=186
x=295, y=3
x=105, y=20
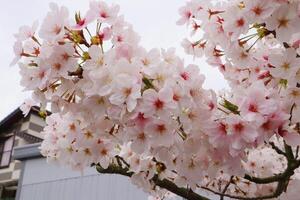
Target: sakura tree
x=145, y=114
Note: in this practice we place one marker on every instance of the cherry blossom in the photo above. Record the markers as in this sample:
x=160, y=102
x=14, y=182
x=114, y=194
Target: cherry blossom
x=285, y=65
x=146, y=113
x=284, y=21
x=159, y=103
x=259, y=10
x=53, y=26
x=26, y=32
x=26, y=106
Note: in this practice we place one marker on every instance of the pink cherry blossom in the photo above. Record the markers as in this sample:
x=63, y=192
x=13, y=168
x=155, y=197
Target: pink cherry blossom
x=53, y=26
x=18, y=50
x=283, y=21
x=127, y=92
x=284, y=66
x=26, y=32
x=103, y=12
x=26, y=106
x=117, y=104
x=235, y=23
x=259, y=10
x=159, y=103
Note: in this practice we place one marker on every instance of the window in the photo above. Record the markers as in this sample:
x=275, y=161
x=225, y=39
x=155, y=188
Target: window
x=8, y=192
x=6, y=146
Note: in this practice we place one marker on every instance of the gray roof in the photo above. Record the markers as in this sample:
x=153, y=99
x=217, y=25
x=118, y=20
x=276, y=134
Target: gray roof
x=15, y=116
x=27, y=152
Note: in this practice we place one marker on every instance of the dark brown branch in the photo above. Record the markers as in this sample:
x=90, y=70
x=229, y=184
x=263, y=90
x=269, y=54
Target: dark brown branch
x=276, y=178
x=77, y=73
x=114, y=169
x=240, y=197
x=165, y=183
x=281, y=179
x=225, y=188
x=277, y=149
x=266, y=180
x=123, y=161
x=183, y=192
x=289, y=151
x=289, y=171
x=297, y=152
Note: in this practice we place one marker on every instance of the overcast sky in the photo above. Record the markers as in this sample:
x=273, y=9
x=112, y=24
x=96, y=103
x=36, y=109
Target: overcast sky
x=154, y=20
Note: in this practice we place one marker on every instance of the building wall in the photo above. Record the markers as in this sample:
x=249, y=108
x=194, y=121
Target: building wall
x=26, y=131
x=12, y=172
x=42, y=181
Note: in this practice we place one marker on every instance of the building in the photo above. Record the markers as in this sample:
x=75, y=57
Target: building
x=42, y=181
x=16, y=131
x=25, y=174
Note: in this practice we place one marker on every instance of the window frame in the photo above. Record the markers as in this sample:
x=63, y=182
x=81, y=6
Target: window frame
x=2, y=145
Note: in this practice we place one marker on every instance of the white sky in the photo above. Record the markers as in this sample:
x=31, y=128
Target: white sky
x=154, y=20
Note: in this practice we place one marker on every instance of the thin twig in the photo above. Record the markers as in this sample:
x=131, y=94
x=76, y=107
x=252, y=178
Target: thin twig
x=225, y=188
x=277, y=149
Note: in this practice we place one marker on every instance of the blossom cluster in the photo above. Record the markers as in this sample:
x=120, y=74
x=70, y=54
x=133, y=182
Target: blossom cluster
x=111, y=98
x=255, y=45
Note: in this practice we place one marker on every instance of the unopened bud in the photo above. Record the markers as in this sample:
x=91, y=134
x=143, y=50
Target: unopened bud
x=230, y=106
x=77, y=17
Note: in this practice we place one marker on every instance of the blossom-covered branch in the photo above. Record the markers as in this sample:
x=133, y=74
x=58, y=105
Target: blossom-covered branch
x=114, y=101
x=164, y=184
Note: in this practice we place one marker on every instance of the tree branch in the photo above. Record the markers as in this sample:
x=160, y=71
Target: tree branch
x=165, y=183
x=225, y=188
x=277, y=149
x=241, y=197
x=183, y=192
x=281, y=179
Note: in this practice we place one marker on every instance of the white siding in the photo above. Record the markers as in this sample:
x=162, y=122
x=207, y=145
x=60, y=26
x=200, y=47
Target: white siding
x=42, y=181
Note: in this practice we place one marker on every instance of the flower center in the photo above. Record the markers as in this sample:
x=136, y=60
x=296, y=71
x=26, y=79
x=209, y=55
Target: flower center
x=159, y=104
x=223, y=128
x=42, y=74
x=257, y=10
x=65, y=56
x=141, y=136
x=161, y=128
x=239, y=127
x=87, y=152
x=127, y=91
x=56, y=29
x=285, y=66
x=253, y=108
x=282, y=23
x=240, y=22
x=103, y=152
x=103, y=14
x=57, y=66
